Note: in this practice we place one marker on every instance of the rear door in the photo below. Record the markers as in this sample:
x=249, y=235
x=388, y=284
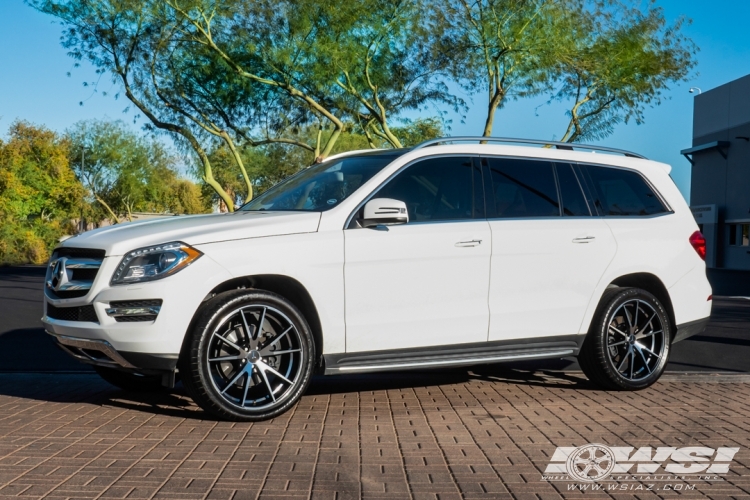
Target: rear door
x=548, y=251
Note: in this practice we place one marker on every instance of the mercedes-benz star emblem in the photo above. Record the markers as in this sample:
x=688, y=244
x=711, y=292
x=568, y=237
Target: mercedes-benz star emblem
x=591, y=462
x=59, y=275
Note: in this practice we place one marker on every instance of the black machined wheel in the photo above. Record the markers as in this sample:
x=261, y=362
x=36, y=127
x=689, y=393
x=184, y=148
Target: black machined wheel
x=629, y=341
x=250, y=356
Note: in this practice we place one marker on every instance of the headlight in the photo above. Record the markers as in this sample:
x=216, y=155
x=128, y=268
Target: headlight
x=155, y=262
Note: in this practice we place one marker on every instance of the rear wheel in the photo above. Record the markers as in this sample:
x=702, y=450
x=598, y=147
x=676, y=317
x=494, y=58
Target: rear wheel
x=132, y=382
x=628, y=345
x=249, y=356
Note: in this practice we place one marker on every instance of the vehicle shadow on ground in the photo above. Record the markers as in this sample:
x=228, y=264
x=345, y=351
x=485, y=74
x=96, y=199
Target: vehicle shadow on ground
x=89, y=388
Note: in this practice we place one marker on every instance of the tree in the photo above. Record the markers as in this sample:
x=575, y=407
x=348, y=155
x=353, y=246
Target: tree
x=39, y=194
x=501, y=47
x=615, y=61
x=252, y=73
x=125, y=172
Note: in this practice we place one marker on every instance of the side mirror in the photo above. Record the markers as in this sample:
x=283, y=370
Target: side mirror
x=384, y=211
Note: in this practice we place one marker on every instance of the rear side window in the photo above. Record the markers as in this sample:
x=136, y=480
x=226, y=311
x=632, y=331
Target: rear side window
x=573, y=201
x=620, y=192
x=523, y=188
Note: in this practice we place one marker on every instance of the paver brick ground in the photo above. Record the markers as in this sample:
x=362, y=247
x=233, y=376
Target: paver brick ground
x=427, y=435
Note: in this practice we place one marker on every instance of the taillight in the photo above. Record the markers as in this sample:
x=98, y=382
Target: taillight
x=699, y=243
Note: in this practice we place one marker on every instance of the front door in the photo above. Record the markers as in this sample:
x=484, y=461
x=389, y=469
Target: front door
x=548, y=252
x=423, y=283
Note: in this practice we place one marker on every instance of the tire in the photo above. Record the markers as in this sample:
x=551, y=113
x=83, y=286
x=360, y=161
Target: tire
x=131, y=382
x=228, y=365
x=628, y=344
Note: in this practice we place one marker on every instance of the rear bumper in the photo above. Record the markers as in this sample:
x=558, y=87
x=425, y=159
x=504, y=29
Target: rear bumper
x=102, y=353
x=690, y=328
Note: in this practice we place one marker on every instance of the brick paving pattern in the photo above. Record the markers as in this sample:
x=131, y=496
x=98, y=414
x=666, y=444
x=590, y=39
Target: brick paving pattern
x=440, y=435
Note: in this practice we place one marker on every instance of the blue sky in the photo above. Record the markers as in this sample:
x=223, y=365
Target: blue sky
x=34, y=85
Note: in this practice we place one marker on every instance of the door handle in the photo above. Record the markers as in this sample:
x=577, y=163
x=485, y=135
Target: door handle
x=584, y=239
x=470, y=243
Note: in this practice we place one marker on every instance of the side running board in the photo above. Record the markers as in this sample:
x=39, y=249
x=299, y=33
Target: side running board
x=454, y=355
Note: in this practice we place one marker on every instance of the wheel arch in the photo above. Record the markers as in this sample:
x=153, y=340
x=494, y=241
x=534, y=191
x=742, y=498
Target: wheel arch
x=287, y=287
x=652, y=284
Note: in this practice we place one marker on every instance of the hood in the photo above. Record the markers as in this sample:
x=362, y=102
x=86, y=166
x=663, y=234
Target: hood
x=195, y=230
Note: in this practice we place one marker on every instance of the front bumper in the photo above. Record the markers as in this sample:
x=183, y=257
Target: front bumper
x=101, y=353
x=143, y=344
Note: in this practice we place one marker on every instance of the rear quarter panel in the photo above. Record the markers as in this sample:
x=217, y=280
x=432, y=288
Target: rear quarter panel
x=659, y=245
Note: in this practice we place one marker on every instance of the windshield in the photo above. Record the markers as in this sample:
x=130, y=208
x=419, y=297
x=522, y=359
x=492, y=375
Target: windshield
x=323, y=186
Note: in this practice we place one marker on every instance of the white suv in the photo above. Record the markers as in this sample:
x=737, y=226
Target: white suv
x=453, y=254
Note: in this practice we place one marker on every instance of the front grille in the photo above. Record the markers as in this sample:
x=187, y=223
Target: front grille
x=68, y=294
x=79, y=313
x=81, y=268
x=83, y=253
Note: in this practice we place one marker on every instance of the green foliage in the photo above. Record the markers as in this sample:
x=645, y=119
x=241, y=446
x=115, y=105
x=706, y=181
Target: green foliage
x=257, y=89
x=39, y=194
x=125, y=172
x=614, y=61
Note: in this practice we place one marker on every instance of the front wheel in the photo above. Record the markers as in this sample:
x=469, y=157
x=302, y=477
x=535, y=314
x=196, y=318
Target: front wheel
x=628, y=345
x=249, y=356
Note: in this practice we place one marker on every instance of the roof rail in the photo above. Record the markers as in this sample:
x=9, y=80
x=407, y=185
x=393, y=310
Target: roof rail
x=559, y=145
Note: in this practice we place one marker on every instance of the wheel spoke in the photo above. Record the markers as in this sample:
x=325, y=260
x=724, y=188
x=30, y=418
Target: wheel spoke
x=640, y=351
x=248, y=332
x=637, y=306
x=618, y=331
x=643, y=347
x=229, y=342
x=632, y=362
x=237, y=377
x=259, y=332
x=649, y=334
x=264, y=350
x=262, y=370
x=627, y=316
x=276, y=353
x=263, y=367
x=617, y=343
x=228, y=358
x=622, y=364
x=247, y=386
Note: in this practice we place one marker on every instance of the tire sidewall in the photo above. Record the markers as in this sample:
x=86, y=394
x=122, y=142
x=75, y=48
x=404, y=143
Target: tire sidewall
x=214, y=312
x=601, y=332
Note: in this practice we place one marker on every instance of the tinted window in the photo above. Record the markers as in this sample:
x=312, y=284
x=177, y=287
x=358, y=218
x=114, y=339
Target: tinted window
x=321, y=186
x=620, y=192
x=523, y=188
x=573, y=201
x=434, y=189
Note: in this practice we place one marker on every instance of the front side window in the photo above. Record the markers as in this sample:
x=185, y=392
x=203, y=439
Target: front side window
x=619, y=192
x=321, y=187
x=523, y=188
x=435, y=189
